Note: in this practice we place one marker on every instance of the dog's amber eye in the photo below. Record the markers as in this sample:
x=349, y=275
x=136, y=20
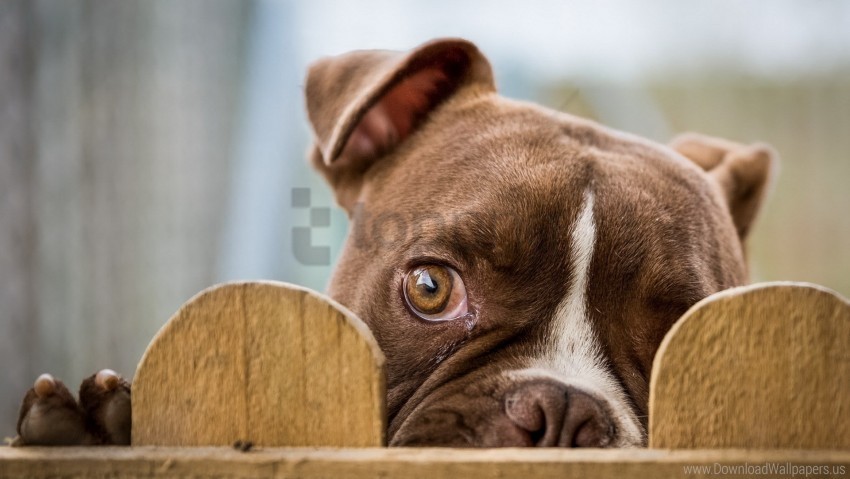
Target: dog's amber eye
x=435, y=292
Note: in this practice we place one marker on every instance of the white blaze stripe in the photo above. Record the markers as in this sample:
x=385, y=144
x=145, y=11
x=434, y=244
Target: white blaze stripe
x=573, y=354
x=574, y=349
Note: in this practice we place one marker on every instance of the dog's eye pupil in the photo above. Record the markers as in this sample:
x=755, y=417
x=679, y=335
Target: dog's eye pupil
x=424, y=281
x=429, y=288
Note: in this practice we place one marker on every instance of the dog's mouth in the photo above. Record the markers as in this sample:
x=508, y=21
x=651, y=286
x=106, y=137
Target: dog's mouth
x=526, y=408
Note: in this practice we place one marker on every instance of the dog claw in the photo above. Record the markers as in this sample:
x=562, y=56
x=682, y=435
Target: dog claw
x=44, y=386
x=107, y=379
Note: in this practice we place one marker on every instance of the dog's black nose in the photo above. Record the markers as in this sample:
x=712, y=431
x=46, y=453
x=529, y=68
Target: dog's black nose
x=556, y=415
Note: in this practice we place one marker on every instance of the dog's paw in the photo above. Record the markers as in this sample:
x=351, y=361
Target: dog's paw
x=105, y=400
x=50, y=416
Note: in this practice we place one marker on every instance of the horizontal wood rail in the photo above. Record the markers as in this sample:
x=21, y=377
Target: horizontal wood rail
x=404, y=463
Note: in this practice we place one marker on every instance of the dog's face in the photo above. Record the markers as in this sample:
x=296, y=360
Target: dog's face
x=518, y=266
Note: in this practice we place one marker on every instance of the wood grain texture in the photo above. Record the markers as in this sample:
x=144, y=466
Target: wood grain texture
x=271, y=363
x=148, y=462
x=761, y=366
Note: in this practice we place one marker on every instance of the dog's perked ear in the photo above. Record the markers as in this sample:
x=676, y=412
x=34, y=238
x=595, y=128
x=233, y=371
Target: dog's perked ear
x=742, y=171
x=363, y=104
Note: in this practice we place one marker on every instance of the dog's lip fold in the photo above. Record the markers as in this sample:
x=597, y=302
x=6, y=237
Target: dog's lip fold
x=502, y=430
x=442, y=375
x=470, y=396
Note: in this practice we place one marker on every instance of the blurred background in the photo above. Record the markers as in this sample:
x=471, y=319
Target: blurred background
x=149, y=149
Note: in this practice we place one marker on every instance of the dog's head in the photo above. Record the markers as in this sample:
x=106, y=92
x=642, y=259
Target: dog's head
x=518, y=266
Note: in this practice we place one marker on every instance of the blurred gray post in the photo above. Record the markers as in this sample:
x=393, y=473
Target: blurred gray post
x=278, y=223
x=256, y=214
x=17, y=307
x=117, y=122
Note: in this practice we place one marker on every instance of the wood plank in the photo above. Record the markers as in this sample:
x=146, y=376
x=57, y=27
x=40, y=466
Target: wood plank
x=152, y=462
x=270, y=363
x=189, y=388
x=761, y=366
x=282, y=344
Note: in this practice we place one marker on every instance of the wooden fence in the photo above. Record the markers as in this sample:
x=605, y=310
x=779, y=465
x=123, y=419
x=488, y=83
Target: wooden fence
x=752, y=380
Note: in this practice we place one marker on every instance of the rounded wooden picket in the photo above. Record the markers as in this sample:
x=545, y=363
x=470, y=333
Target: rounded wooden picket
x=764, y=366
x=270, y=363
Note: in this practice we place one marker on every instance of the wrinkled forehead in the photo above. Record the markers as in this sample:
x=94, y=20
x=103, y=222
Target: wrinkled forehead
x=508, y=184
x=494, y=142
x=503, y=159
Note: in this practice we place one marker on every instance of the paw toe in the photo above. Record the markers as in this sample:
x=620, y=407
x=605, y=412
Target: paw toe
x=44, y=386
x=105, y=397
x=50, y=416
x=107, y=379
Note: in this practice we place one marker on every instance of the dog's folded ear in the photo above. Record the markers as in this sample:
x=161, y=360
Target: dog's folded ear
x=742, y=171
x=363, y=104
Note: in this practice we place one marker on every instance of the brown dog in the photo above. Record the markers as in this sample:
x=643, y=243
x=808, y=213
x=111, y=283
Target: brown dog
x=537, y=259
x=518, y=266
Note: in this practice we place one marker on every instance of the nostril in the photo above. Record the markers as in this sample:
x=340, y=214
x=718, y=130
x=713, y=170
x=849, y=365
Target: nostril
x=538, y=408
x=527, y=414
x=592, y=433
x=587, y=423
x=524, y=411
x=537, y=436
